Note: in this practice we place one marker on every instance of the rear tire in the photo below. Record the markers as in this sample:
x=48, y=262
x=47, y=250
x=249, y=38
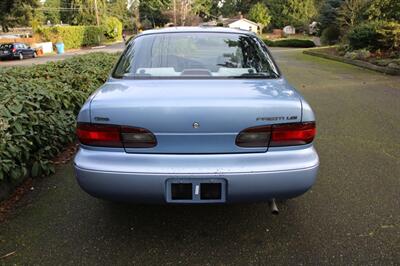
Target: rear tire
x=21, y=56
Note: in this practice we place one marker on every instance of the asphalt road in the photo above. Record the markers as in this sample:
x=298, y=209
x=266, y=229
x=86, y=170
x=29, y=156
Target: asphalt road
x=112, y=48
x=351, y=216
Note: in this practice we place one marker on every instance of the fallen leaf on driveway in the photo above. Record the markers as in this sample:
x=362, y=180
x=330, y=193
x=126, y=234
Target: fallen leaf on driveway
x=7, y=255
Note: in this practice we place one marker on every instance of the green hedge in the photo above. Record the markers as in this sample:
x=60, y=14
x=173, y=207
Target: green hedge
x=290, y=43
x=38, y=106
x=79, y=36
x=73, y=36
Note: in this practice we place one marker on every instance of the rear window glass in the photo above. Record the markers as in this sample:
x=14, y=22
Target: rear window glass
x=6, y=46
x=194, y=55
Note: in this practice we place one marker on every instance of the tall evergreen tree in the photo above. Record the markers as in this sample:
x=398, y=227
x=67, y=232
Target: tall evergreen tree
x=17, y=13
x=276, y=7
x=328, y=13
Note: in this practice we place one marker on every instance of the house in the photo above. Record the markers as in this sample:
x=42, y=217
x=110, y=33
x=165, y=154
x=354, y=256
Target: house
x=289, y=30
x=241, y=23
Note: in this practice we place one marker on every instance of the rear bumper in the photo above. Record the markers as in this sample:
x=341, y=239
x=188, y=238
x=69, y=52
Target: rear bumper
x=7, y=56
x=142, y=178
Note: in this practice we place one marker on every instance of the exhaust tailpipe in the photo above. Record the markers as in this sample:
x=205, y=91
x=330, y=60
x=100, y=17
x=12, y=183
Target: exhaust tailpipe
x=273, y=207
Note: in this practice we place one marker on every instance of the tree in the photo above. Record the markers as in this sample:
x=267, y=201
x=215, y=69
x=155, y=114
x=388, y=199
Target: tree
x=384, y=10
x=84, y=11
x=202, y=8
x=244, y=6
x=231, y=8
x=187, y=12
x=153, y=12
x=17, y=13
x=300, y=12
x=278, y=20
x=37, y=19
x=351, y=12
x=226, y=8
x=328, y=13
x=134, y=12
x=52, y=11
x=66, y=13
x=119, y=9
x=260, y=14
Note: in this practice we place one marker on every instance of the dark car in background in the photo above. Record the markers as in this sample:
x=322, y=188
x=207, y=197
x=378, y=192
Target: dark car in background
x=16, y=50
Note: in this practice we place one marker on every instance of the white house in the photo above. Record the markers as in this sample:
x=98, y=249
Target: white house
x=289, y=30
x=241, y=23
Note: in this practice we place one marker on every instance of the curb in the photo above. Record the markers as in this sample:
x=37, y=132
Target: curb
x=359, y=63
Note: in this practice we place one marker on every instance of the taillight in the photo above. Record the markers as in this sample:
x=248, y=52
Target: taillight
x=115, y=136
x=14, y=50
x=134, y=137
x=277, y=135
x=292, y=134
x=254, y=137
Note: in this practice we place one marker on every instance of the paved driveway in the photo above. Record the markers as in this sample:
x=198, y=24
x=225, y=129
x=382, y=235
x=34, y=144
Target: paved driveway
x=352, y=215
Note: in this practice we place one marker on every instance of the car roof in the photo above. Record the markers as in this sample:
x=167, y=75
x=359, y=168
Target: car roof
x=11, y=43
x=196, y=29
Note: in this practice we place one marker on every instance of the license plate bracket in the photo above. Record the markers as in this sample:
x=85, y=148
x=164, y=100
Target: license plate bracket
x=203, y=190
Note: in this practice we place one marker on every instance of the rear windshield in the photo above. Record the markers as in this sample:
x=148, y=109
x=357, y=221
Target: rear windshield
x=6, y=46
x=195, y=55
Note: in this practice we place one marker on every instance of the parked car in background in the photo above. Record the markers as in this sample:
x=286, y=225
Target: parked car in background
x=196, y=115
x=16, y=50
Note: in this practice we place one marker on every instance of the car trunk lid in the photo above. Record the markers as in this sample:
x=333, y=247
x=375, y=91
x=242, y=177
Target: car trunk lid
x=196, y=116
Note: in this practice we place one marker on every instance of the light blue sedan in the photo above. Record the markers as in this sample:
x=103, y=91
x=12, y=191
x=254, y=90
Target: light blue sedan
x=196, y=115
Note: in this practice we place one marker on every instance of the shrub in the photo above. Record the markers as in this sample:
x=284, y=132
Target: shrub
x=364, y=36
x=113, y=29
x=269, y=42
x=330, y=35
x=342, y=49
x=290, y=43
x=375, y=35
x=72, y=36
x=389, y=35
x=362, y=54
x=38, y=106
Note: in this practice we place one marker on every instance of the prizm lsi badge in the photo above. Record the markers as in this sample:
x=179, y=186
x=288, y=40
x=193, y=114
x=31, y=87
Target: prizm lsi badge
x=97, y=118
x=276, y=118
